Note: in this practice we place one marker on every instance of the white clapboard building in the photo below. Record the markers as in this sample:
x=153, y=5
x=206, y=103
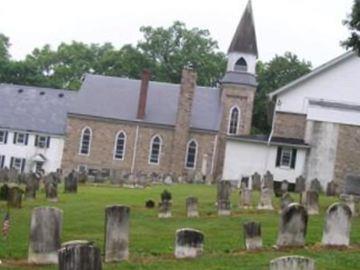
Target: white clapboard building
x=315, y=132
x=32, y=127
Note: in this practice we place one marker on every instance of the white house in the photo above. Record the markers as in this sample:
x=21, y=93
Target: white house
x=316, y=124
x=32, y=127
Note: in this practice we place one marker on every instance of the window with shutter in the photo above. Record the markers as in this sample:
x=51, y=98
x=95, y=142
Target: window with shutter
x=3, y=136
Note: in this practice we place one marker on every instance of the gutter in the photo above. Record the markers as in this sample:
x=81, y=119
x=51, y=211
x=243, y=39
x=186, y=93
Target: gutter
x=135, y=148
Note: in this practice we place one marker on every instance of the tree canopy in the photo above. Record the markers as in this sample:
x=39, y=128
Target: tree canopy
x=353, y=23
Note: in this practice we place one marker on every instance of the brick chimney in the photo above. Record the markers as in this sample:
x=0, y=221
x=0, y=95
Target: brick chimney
x=145, y=78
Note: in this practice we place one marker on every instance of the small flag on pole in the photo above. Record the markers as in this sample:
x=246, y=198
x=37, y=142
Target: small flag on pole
x=6, y=225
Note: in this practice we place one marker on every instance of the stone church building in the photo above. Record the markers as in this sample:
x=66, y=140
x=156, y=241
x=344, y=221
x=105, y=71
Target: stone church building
x=154, y=127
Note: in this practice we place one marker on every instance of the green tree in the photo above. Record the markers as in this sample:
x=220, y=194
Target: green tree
x=272, y=75
x=170, y=49
x=353, y=23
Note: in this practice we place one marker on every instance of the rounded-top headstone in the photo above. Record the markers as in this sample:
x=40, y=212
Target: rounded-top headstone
x=192, y=207
x=79, y=255
x=292, y=263
x=337, y=225
x=45, y=235
x=117, y=223
x=252, y=235
x=189, y=243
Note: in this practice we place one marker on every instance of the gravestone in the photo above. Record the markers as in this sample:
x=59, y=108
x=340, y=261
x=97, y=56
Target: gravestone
x=312, y=202
x=265, y=199
x=245, y=198
x=300, y=184
x=71, y=182
x=286, y=199
x=292, y=263
x=293, y=226
x=51, y=183
x=199, y=178
x=353, y=202
x=31, y=186
x=224, y=192
x=337, y=225
x=284, y=186
x=244, y=183
x=277, y=189
x=117, y=221
x=15, y=197
x=256, y=181
x=168, y=180
x=332, y=189
x=45, y=234
x=352, y=184
x=79, y=255
x=164, y=209
x=83, y=177
x=268, y=181
x=252, y=236
x=4, y=192
x=192, y=207
x=315, y=186
x=189, y=243
x=4, y=175
x=13, y=175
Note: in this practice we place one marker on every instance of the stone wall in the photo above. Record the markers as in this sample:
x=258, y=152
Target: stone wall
x=348, y=153
x=103, y=140
x=289, y=125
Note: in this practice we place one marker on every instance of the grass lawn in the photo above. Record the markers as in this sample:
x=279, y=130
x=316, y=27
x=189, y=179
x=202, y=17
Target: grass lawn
x=152, y=239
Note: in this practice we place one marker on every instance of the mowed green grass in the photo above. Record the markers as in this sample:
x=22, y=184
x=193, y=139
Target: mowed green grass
x=152, y=239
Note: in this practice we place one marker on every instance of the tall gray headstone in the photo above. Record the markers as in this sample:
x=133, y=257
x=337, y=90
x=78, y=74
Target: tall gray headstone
x=117, y=223
x=189, y=243
x=256, y=181
x=293, y=226
x=79, y=255
x=45, y=235
x=332, y=189
x=14, y=197
x=224, y=192
x=292, y=263
x=315, y=186
x=71, y=182
x=252, y=236
x=266, y=199
x=31, y=186
x=164, y=209
x=300, y=184
x=245, y=198
x=192, y=207
x=337, y=225
x=284, y=186
x=268, y=181
x=51, y=192
x=312, y=202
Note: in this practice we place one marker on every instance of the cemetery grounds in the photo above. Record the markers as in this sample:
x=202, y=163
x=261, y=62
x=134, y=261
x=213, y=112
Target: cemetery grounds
x=152, y=239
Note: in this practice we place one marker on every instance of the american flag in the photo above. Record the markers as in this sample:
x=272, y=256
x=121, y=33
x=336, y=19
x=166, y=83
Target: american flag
x=6, y=225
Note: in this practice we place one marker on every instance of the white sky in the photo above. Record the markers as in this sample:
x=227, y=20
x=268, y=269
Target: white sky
x=310, y=28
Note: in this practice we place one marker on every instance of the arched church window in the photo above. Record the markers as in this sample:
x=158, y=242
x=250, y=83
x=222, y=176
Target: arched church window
x=191, y=152
x=241, y=65
x=234, y=119
x=85, y=141
x=120, y=142
x=155, y=150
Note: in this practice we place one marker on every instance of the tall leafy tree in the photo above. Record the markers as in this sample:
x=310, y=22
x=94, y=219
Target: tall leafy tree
x=272, y=75
x=353, y=23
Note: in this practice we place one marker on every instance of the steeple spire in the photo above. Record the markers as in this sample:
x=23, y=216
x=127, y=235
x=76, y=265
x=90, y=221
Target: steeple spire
x=244, y=40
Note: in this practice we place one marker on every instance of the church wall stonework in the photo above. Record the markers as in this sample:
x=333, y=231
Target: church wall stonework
x=289, y=125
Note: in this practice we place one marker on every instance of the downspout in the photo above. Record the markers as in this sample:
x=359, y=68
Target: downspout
x=134, y=151
x=214, y=154
x=269, y=139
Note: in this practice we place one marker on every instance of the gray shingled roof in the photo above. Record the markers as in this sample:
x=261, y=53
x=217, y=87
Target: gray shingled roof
x=117, y=98
x=29, y=110
x=244, y=39
x=236, y=77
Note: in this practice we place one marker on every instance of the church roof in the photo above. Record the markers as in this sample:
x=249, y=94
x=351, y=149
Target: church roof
x=117, y=98
x=244, y=39
x=34, y=109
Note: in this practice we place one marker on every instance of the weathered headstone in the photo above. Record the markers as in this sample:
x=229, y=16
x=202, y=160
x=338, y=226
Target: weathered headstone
x=164, y=209
x=168, y=180
x=277, y=189
x=245, y=198
x=45, y=235
x=71, y=182
x=300, y=184
x=244, y=182
x=51, y=192
x=13, y=175
x=31, y=186
x=312, y=202
x=284, y=186
x=286, y=199
x=224, y=192
x=337, y=225
x=292, y=263
x=315, y=186
x=256, y=181
x=293, y=226
x=353, y=202
x=352, y=184
x=268, y=181
x=117, y=223
x=15, y=197
x=266, y=199
x=252, y=236
x=4, y=192
x=79, y=255
x=332, y=189
x=189, y=243
x=192, y=207
x=4, y=175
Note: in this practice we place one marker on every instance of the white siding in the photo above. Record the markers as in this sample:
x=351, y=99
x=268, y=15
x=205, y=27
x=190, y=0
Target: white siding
x=246, y=158
x=53, y=154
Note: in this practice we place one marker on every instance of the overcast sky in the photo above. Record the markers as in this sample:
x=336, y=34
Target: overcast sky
x=310, y=28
